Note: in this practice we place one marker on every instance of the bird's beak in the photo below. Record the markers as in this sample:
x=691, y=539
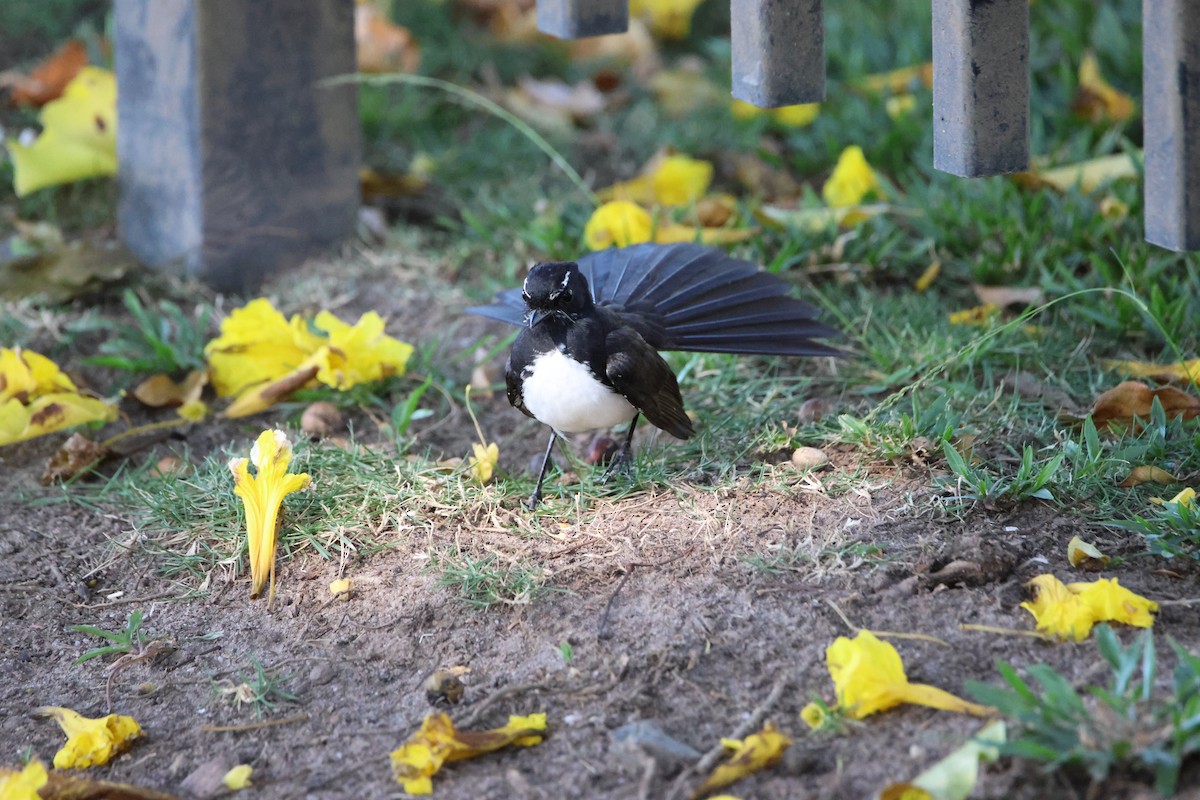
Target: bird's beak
x=533, y=318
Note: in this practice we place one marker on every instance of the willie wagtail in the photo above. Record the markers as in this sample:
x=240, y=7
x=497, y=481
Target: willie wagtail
x=587, y=355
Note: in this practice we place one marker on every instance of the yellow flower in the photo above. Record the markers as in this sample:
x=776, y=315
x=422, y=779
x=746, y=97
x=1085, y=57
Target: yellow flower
x=361, y=352
x=78, y=139
x=482, y=464
x=341, y=586
x=868, y=676
x=1108, y=601
x=756, y=752
x=795, y=116
x=668, y=180
x=619, y=223
x=681, y=179
x=1186, y=498
x=262, y=495
x=977, y=315
x=670, y=19
x=1096, y=99
x=257, y=344
x=262, y=357
x=193, y=410
x=1057, y=610
x=238, y=777
x=852, y=179
x=814, y=715
x=437, y=742
x=91, y=742
x=900, y=105
x=23, y=785
x=1070, y=611
x=37, y=398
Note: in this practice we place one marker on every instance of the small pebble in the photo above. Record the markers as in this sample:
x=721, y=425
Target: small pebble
x=809, y=458
x=321, y=419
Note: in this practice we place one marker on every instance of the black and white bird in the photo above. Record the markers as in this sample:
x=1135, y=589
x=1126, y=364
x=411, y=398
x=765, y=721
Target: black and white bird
x=587, y=355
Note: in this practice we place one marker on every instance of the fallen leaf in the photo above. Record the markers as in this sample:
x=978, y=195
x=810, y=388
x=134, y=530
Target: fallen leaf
x=1085, y=556
x=60, y=272
x=1147, y=474
x=955, y=776
x=536, y=99
x=160, y=391
x=78, y=138
x=77, y=455
x=1182, y=371
x=898, y=81
x=48, y=79
x=754, y=753
x=1004, y=296
x=814, y=220
x=771, y=181
x=382, y=45
x=1130, y=399
x=1087, y=175
x=1097, y=100
x=681, y=91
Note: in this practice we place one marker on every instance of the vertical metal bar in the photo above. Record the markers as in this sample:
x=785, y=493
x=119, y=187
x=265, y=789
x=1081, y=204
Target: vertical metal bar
x=778, y=51
x=575, y=19
x=1171, y=122
x=981, y=86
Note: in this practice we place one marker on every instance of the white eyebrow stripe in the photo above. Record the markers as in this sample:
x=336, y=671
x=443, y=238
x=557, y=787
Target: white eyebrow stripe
x=566, y=279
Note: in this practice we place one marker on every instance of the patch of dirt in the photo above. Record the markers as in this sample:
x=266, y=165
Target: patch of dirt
x=687, y=606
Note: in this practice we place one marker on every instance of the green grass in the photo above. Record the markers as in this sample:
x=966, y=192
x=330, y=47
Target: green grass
x=485, y=582
x=260, y=688
x=1129, y=723
x=122, y=641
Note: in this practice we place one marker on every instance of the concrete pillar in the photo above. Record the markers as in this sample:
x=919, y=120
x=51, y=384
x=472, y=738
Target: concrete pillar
x=234, y=162
x=778, y=51
x=576, y=19
x=1171, y=122
x=981, y=86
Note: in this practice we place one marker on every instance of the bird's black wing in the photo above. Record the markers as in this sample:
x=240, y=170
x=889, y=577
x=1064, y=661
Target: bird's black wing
x=698, y=298
x=638, y=372
x=507, y=306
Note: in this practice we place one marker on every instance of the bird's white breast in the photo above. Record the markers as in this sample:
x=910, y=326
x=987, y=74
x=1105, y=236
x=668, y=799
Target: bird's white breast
x=564, y=394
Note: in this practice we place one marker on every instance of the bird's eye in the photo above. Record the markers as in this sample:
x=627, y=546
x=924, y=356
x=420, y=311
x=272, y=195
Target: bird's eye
x=565, y=296
x=525, y=296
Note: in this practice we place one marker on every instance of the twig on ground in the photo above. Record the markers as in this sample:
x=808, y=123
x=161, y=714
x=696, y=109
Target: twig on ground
x=253, y=726
x=752, y=724
x=602, y=631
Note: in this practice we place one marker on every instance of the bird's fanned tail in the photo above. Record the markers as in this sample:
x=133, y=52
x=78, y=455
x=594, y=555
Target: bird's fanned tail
x=696, y=298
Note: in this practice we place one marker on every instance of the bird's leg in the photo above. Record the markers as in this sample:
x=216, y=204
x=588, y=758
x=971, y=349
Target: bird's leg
x=536, y=497
x=623, y=460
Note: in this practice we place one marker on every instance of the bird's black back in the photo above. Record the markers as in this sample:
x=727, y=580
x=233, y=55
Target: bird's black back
x=692, y=297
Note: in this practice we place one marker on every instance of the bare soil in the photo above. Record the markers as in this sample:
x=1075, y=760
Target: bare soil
x=667, y=616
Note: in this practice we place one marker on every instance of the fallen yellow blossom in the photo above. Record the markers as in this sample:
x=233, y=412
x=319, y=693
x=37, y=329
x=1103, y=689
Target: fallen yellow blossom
x=852, y=179
x=23, y=784
x=238, y=777
x=668, y=19
x=1069, y=611
x=618, y=223
x=261, y=357
x=91, y=742
x=794, y=116
x=78, y=139
x=482, y=465
x=756, y=752
x=262, y=496
x=869, y=677
x=813, y=715
x=1184, y=371
x=37, y=398
x=668, y=180
x=1096, y=99
x=437, y=742
x=928, y=276
x=341, y=586
x=977, y=315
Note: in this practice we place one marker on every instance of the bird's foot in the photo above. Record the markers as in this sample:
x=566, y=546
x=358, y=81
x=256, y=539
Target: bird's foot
x=622, y=462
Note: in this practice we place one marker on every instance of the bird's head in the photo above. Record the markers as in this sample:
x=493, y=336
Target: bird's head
x=555, y=288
